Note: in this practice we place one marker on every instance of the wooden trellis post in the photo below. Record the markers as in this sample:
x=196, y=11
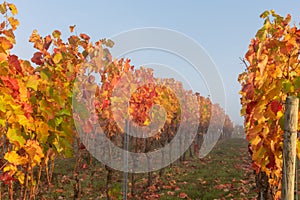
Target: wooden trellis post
x=289, y=147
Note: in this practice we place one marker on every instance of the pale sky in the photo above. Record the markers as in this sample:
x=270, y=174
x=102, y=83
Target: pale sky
x=223, y=28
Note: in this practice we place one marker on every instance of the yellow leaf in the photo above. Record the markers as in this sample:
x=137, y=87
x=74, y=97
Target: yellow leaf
x=252, y=132
x=15, y=158
x=13, y=8
x=21, y=177
x=13, y=22
x=279, y=114
x=147, y=122
x=57, y=58
x=22, y=120
x=14, y=137
x=259, y=154
x=258, y=113
x=266, y=132
x=34, y=36
x=34, y=151
x=3, y=8
x=262, y=63
x=32, y=82
x=256, y=140
x=42, y=131
x=11, y=169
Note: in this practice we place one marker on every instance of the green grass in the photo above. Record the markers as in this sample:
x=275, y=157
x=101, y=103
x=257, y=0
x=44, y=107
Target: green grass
x=224, y=174
x=221, y=174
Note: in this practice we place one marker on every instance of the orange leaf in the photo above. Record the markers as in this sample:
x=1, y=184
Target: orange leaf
x=72, y=28
x=84, y=36
x=5, y=44
x=13, y=22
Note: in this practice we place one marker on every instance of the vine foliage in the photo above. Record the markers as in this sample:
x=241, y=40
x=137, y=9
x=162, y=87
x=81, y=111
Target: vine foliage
x=272, y=73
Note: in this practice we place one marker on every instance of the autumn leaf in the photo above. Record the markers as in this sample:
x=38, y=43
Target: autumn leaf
x=37, y=58
x=72, y=28
x=12, y=8
x=84, y=36
x=12, y=84
x=15, y=138
x=7, y=178
x=34, y=36
x=13, y=22
x=275, y=106
x=5, y=44
x=57, y=58
x=14, y=158
x=56, y=34
x=34, y=151
x=183, y=195
x=15, y=63
x=42, y=131
x=32, y=82
x=3, y=8
x=47, y=42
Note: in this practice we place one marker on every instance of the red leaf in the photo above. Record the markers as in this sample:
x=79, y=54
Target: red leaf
x=47, y=42
x=28, y=109
x=275, y=106
x=37, y=58
x=105, y=103
x=12, y=84
x=15, y=63
x=6, y=178
x=250, y=107
x=249, y=89
x=272, y=163
x=183, y=195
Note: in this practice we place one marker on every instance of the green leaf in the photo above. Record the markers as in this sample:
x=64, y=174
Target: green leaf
x=65, y=112
x=57, y=145
x=261, y=33
x=281, y=122
x=67, y=147
x=45, y=74
x=85, y=54
x=297, y=83
x=293, y=73
x=287, y=86
x=58, y=121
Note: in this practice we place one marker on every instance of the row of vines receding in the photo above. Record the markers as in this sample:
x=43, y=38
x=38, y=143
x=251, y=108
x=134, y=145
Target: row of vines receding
x=37, y=117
